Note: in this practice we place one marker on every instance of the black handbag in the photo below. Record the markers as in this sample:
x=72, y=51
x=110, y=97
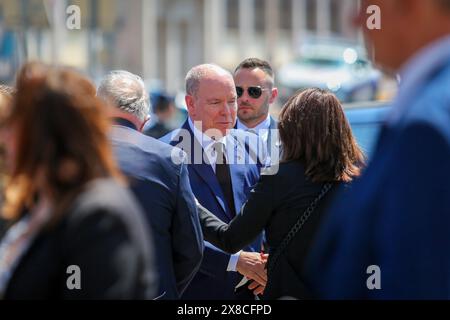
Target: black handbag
x=282, y=279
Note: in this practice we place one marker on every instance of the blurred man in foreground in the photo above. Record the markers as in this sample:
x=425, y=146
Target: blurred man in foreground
x=389, y=238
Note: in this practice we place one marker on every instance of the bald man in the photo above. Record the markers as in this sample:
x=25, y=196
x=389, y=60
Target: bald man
x=221, y=179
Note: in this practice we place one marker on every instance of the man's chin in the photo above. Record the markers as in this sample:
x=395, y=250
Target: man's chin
x=245, y=115
x=222, y=128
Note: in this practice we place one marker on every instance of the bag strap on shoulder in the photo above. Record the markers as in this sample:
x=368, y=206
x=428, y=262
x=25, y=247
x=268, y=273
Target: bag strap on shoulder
x=297, y=226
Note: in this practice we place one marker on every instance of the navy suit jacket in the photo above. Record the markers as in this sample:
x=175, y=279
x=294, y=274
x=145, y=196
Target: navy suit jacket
x=163, y=190
x=213, y=281
x=397, y=216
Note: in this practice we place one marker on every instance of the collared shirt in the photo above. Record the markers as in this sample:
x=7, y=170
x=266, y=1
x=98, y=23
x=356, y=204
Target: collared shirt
x=124, y=123
x=416, y=70
x=207, y=144
x=262, y=129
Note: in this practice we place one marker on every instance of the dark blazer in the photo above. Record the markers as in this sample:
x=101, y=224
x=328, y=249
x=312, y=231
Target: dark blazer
x=213, y=281
x=102, y=233
x=274, y=205
x=159, y=179
x=397, y=216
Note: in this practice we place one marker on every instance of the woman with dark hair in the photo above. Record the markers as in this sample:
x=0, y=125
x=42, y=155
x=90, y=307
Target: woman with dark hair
x=319, y=154
x=76, y=232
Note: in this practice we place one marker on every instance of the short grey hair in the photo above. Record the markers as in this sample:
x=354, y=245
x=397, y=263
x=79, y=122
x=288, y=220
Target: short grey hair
x=200, y=72
x=126, y=91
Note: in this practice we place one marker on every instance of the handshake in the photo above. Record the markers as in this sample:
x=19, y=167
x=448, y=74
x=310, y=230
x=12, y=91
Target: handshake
x=252, y=265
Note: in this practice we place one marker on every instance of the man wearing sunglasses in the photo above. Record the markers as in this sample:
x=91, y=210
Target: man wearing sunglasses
x=254, y=79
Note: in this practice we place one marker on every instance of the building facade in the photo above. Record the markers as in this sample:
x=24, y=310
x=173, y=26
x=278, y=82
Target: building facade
x=162, y=39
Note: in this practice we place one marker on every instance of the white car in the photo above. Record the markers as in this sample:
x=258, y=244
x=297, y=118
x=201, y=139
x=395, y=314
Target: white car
x=335, y=65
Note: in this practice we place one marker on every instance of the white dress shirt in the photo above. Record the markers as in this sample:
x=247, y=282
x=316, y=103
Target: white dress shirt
x=207, y=144
x=262, y=129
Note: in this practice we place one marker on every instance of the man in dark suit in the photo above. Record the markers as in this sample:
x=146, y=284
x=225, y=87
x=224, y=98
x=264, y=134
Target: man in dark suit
x=388, y=237
x=159, y=179
x=255, y=86
x=221, y=175
x=168, y=116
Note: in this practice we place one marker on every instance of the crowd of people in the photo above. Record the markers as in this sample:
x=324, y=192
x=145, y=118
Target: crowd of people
x=233, y=205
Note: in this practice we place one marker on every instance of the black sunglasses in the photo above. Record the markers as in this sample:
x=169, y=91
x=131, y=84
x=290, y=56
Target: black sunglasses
x=254, y=92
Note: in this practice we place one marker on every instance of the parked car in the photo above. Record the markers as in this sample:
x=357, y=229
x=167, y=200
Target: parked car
x=366, y=120
x=337, y=65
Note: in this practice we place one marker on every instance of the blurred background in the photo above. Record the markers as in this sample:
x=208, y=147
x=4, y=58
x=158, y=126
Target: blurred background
x=308, y=42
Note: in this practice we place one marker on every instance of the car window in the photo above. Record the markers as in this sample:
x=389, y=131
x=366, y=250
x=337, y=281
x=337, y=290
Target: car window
x=321, y=61
x=366, y=124
x=366, y=135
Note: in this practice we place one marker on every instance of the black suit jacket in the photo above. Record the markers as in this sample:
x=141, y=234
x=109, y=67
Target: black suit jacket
x=160, y=181
x=103, y=234
x=274, y=205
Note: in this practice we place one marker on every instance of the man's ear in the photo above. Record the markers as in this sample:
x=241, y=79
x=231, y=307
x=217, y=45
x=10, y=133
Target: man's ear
x=273, y=95
x=190, y=104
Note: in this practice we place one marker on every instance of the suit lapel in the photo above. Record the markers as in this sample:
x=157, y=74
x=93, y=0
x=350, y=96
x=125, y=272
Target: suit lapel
x=270, y=143
x=205, y=172
x=238, y=170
